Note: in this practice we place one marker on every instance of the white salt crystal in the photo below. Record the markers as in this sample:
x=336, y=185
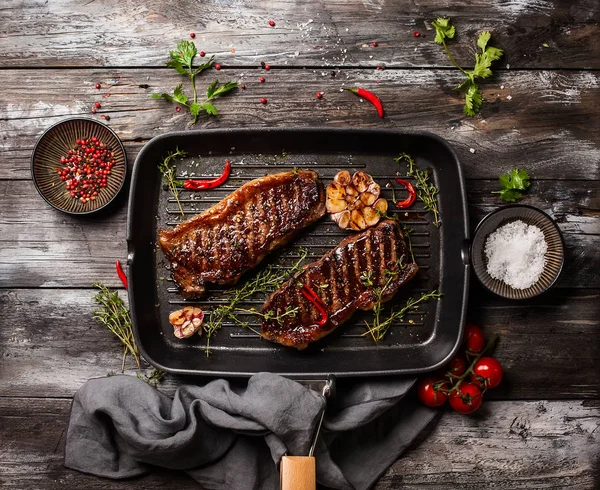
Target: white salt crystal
x=515, y=254
x=509, y=97
x=472, y=150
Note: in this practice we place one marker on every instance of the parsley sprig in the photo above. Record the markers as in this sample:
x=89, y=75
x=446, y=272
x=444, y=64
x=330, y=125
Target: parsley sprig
x=513, y=183
x=182, y=60
x=483, y=62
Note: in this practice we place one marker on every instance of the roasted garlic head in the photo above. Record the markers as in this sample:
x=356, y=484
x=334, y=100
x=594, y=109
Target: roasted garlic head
x=354, y=202
x=186, y=322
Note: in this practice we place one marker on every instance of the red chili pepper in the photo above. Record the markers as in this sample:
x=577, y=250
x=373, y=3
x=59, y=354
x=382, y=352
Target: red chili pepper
x=313, y=297
x=121, y=274
x=197, y=185
x=370, y=96
x=412, y=195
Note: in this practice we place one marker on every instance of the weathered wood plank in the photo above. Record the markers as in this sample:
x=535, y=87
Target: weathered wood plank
x=50, y=345
x=544, y=121
x=544, y=444
x=41, y=247
x=337, y=32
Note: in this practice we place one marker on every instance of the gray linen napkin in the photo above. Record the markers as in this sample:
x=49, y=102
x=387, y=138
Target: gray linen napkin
x=231, y=435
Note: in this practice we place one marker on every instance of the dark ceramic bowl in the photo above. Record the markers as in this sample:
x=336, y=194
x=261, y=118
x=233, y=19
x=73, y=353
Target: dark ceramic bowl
x=54, y=144
x=555, y=256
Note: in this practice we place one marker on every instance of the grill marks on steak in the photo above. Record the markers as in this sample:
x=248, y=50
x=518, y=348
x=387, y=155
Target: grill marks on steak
x=234, y=236
x=371, y=252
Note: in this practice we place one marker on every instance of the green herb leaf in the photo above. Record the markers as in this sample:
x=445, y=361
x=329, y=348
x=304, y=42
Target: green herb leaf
x=513, y=183
x=179, y=68
x=210, y=91
x=163, y=96
x=214, y=90
x=473, y=99
x=483, y=62
x=510, y=195
x=114, y=315
x=178, y=95
x=210, y=109
x=168, y=173
x=205, y=66
x=181, y=61
x=426, y=191
x=443, y=30
x=195, y=110
x=184, y=54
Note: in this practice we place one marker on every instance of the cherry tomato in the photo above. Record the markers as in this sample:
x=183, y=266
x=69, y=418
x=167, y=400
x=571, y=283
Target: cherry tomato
x=457, y=365
x=428, y=391
x=487, y=373
x=474, y=341
x=466, y=399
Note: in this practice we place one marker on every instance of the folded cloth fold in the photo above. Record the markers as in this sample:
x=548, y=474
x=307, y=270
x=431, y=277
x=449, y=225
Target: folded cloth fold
x=231, y=435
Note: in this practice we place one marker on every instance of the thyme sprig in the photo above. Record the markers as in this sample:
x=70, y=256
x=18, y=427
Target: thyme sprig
x=379, y=328
x=265, y=282
x=426, y=191
x=155, y=377
x=168, y=173
x=271, y=315
x=114, y=315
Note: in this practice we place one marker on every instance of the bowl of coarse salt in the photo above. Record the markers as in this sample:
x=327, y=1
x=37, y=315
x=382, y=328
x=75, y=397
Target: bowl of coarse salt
x=517, y=252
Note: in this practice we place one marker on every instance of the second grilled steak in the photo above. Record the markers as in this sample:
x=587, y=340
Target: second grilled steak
x=345, y=279
x=234, y=236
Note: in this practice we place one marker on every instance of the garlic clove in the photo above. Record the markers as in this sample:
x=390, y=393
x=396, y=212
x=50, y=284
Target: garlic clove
x=381, y=205
x=368, y=198
x=344, y=220
x=342, y=178
x=335, y=191
x=361, y=181
x=371, y=216
x=335, y=205
x=375, y=189
x=357, y=221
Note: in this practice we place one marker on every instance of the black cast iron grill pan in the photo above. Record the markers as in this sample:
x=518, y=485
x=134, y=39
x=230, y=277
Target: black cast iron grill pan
x=424, y=340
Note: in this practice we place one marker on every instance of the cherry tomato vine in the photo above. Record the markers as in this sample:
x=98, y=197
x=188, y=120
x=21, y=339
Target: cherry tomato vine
x=466, y=377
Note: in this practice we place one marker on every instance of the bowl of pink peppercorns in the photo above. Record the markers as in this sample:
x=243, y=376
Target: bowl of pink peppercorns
x=79, y=166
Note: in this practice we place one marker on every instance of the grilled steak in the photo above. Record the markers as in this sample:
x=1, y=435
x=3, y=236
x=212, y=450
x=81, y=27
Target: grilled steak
x=350, y=273
x=220, y=244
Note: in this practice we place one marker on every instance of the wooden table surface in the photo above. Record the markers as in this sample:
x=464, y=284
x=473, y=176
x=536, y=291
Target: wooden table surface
x=541, y=112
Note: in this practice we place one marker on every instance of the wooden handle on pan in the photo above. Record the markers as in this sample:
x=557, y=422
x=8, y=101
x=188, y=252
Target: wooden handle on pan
x=298, y=473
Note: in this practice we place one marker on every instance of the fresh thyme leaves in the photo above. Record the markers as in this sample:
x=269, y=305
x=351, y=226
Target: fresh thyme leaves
x=367, y=278
x=114, y=315
x=265, y=282
x=378, y=329
x=271, y=315
x=155, y=377
x=513, y=183
x=182, y=60
x=168, y=173
x=483, y=61
x=407, y=231
x=426, y=191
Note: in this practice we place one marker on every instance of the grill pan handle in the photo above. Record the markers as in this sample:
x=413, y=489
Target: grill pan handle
x=300, y=472
x=465, y=252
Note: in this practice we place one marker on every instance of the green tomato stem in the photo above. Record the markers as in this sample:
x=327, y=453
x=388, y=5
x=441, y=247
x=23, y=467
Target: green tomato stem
x=460, y=379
